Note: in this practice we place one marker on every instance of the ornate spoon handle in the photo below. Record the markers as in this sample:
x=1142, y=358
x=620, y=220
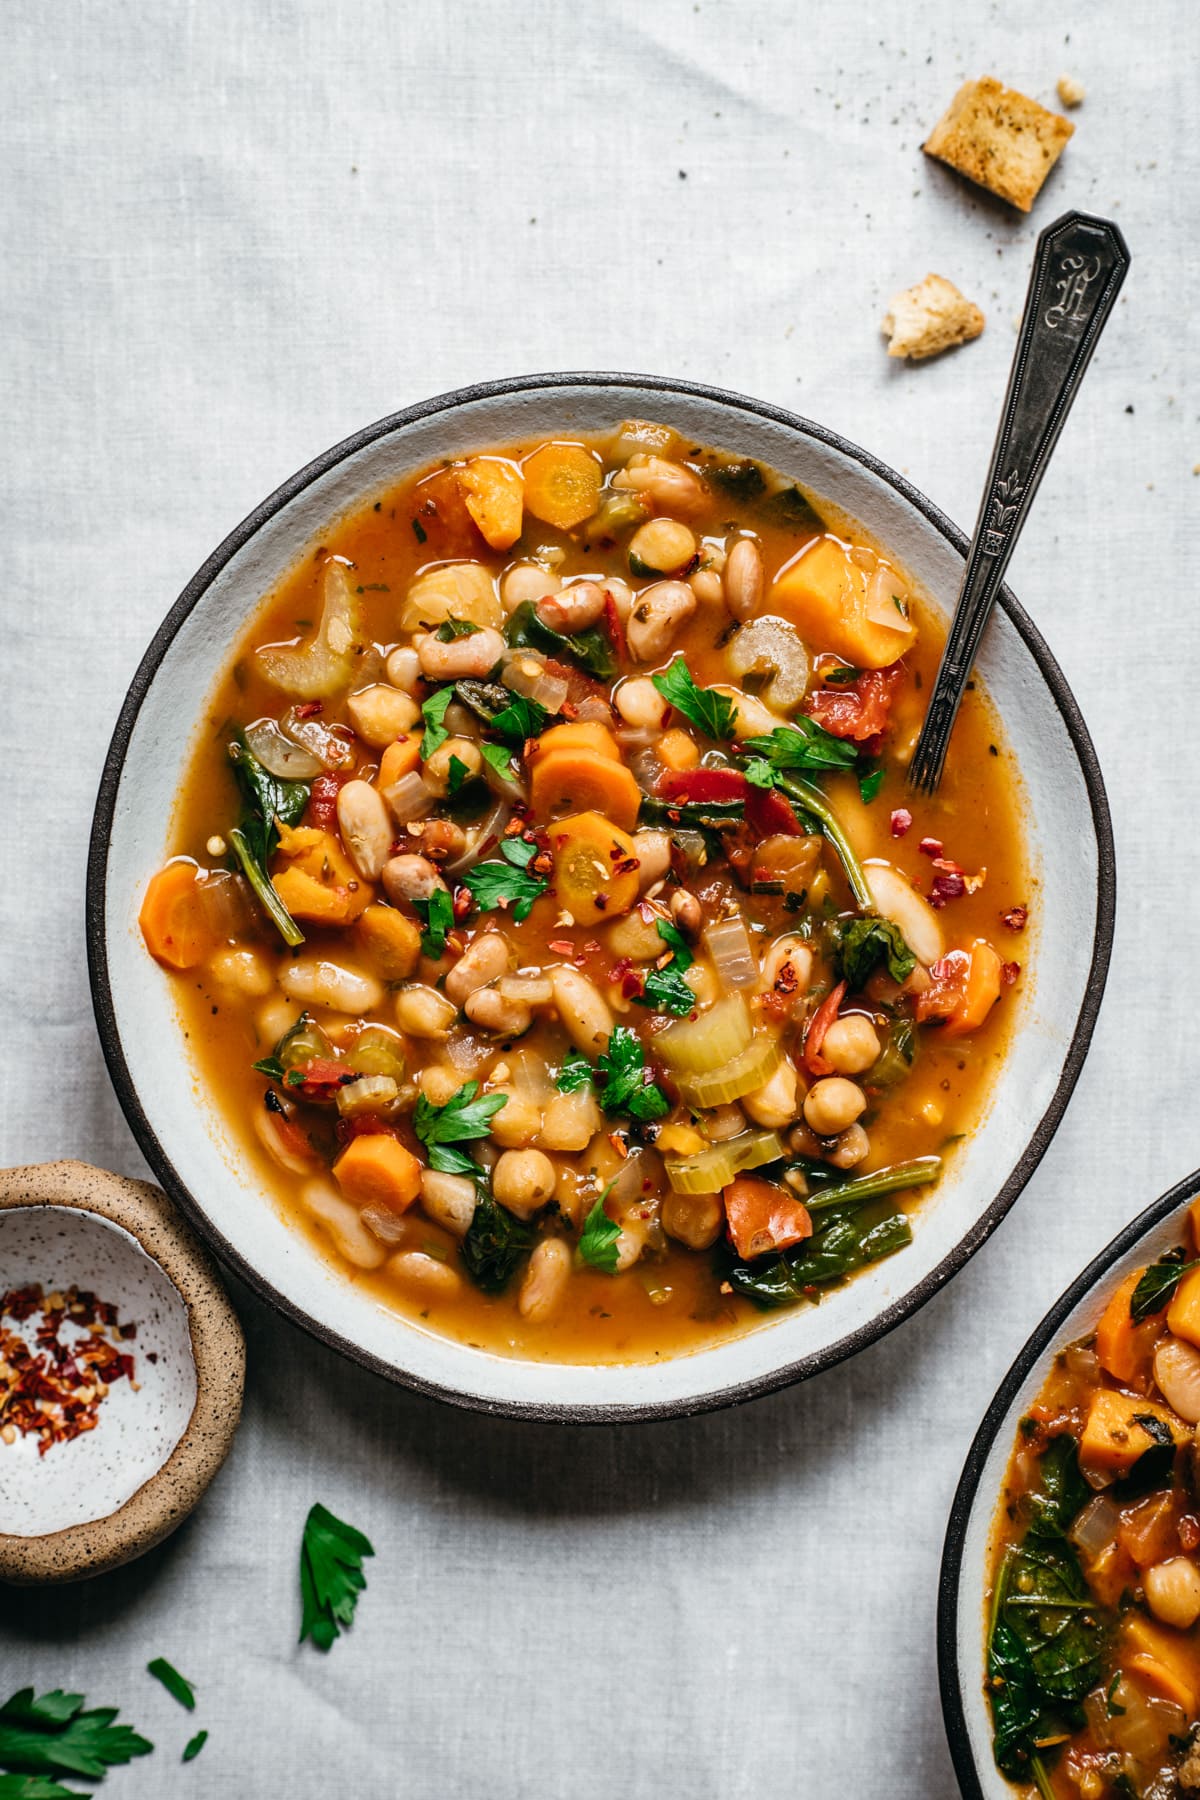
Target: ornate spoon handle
x=1078, y=268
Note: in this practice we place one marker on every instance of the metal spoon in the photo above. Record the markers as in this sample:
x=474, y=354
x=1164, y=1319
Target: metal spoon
x=1078, y=268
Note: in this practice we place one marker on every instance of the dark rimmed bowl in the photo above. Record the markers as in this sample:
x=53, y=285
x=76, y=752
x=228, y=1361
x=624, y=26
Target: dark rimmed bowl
x=198, y=1161
x=962, y=1586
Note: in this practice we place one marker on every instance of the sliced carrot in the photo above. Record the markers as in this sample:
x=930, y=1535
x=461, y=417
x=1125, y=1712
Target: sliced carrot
x=495, y=494
x=1126, y=1350
x=595, y=866
x=391, y=941
x=399, y=759
x=562, y=484
x=580, y=781
x=585, y=734
x=763, y=1217
x=965, y=986
x=678, y=751
x=376, y=1170
x=172, y=919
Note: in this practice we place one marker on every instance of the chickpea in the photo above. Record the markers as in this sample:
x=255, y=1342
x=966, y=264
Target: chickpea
x=438, y=1083
x=426, y=1278
x=545, y=1280
x=382, y=714
x=1173, y=1592
x=449, y=1200
x=488, y=1008
x=833, y=1104
x=851, y=1044
x=523, y=1181
x=776, y=1103
x=404, y=669
x=852, y=1146
x=694, y=1219
x=527, y=581
x=640, y=704
x=438, y=769
x=245, y=972
x=658, y=612
x=722, y=1122
x=582, y=1009
x=518, y=1121
x=472, y=656
x=570, y=1121
x=442, y=839
x=424, y=1013
x=702, y=979
x=484, y=960
x=662, y=546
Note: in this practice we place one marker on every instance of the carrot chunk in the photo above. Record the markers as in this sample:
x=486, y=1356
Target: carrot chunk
x=494, y=490
x=562, y=484
x=595, y=866
x=763, y=1217
x=376, y=1170
x=583, y=734
x=1125, y=1349
x=172, y=921
x=580, y=781
x=1113, y=1438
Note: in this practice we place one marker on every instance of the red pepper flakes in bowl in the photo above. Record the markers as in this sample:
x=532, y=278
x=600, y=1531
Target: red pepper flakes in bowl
x=54, y=1388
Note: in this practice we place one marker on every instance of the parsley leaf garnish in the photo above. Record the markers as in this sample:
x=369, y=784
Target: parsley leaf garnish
x=627, y=1087
x=449, y=629
x=522, y=718
x=36, y=1787
x=598, y=1239
x=496, y=1241
x=456, y=776
x=710, y=712
x=331, y=1577
x=498, y=757
x=665, y=988
x=507, y=882
x=433, y=712
x=869, y=785
x=52, y=1735
x=173, y=1681
x=759, y=773
x=194, y=1746
x=866, y=942
x=802, y=745
x=576, y=1072
x=463, y=1119
x=437, y=916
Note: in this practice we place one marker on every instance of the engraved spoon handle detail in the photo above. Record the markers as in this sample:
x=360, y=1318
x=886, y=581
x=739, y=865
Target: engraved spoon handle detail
x=1078, y=267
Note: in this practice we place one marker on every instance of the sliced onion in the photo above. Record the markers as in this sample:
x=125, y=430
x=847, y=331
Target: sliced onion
x=320, y=668
x=408, y=798
x=1145, y=1728
x=389, y=1227
x=505, y=782
x=525, y=673
x=226, y=904
x=529, y=1077
x=728, y=943
x=1096, y=1527
x=278, y=754
x=647, y=769
x=461, y=590
x=483, y=834
x=1083, y=1362
x=594, y=709
x=319, y=739
x=883, y=590
x=637, y=737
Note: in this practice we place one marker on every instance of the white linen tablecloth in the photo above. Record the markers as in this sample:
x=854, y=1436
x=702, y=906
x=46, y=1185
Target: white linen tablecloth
x=234, y=233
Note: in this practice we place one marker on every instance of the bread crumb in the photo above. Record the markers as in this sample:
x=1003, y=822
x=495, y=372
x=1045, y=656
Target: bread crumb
x=931, y=317
x=1070, y=91
x=1000, y=139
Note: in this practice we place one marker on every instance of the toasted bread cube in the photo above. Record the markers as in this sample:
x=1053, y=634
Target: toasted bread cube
x=1112, y=1437
x=1000, y=139
x=924, y=320
x=1070, y=91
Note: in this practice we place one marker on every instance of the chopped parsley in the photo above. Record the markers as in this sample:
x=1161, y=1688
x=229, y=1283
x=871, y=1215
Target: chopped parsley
x=437, y=916
x=433, y=712
x=801, y=745
x=498, y=757
x=627, y=1084
x=864, y=943
x=331, y=1577
x=665, y=989
x=575, y=1072
x=869, y=785
x=449, y=629
x=52, y=1735
x=712, y=713
x=598, y=1239
x=457, y=776
x=194, y=1746
x=507, y=882
x=175, y=1684
x=463, y=1119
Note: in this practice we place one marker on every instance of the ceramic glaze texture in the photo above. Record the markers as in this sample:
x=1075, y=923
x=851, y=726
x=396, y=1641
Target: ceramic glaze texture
x=198, y=1162
x=136, y=1431
x=962, y=1604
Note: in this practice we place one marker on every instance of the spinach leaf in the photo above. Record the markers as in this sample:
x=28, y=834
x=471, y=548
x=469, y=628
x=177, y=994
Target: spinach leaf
x=1064, y=1492
x=866, y=942
x=845, y=1239
x=268, y=803
x=592, y=649
x=1156, y=1289
x=794, y=509
x=739, y=477
x=1153, y=1467
x=496, y=1241
x=513, y=716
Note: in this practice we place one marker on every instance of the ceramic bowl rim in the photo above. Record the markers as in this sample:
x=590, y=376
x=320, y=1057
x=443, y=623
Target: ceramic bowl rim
x=995, y=1419
x=156, y=1155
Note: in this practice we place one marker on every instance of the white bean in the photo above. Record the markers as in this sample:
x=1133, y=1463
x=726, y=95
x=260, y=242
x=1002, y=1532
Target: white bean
x=482, y=961
x=852, y=1146
x=488, y=1008
x=653, y=851
x=382, y=714
x=280, y=1144
x=472, y=656
x=787, y=967
x=1177, y=1372
x=898, y=900
x=366, y=827
x=744, y=579
x=423, y=1012
x=449, y=1200
x=313, y=981
x=640, y=704
x=570, y=1121
x=775, y=1104
x=343, y=1224
x=1173, y=1592
x=573, y=608
x=410, y=878
x=668, y=485
x=518, y=1121
x=527, y=581
x=637, y=936
x=403, y=668
x=426, y=1278
x=706, y=585
x=582, y=1008
x=545, y=1280
x=658, y=612
x=244, y=972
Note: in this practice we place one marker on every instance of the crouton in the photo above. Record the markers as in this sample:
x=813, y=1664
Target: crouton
x=999, y=139
x=928, y=318
x=1070, y=91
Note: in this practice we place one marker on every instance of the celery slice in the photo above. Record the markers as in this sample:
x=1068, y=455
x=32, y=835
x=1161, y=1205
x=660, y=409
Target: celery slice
x=697, y=1046
x=716, y=1167
x=756, y=1065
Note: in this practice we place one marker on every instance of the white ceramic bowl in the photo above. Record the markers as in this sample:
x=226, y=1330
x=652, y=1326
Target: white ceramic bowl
x=962, y=1588
x=195, y=1158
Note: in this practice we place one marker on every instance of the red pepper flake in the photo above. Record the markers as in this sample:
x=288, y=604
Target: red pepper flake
x=322, y=803
x=1009, y=972
x=632, y=984
x=461, y=903
x=561, y=946
x=901, y=821
x=1016, y=918
x=931, y=847
x=614, y=626
x=1189, y=1532
x=54, y=1392
x=309, y=709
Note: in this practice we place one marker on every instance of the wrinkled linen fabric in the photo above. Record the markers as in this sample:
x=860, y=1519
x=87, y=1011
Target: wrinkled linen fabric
x=234, y=234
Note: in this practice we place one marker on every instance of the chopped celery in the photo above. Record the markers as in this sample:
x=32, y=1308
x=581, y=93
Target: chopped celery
x=741, y=1075
x=716, y=1167
x=697, y=1046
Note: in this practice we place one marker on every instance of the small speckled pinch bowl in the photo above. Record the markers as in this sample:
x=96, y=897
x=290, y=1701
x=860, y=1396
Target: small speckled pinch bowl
x=105, y=1497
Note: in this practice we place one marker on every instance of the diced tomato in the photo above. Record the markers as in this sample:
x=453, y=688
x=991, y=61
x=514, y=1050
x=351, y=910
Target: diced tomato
x=322, y=1078
x=769, y=814
x=763, y=1217
x=713, y=787
x=322, y=800
x=819, y=1024
x=615, y=626
x=362, y=1125
x=861, y=708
